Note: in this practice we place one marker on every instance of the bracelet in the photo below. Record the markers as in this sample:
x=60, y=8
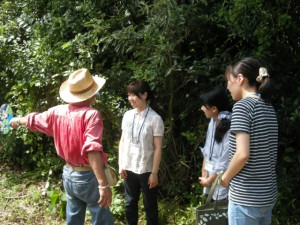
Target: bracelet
x=154, y=174
x=102, y=188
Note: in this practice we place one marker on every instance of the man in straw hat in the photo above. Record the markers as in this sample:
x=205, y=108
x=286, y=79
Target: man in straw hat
x=77, y=131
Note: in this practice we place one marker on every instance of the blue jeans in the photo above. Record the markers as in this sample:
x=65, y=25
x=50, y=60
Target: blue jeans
x=134, y=185
x=246, y=215
x=82, y=192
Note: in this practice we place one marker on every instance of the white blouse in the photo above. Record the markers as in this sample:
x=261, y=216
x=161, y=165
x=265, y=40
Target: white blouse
x=136, y=149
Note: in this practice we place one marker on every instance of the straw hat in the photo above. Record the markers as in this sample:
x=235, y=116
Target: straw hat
x=80, y=86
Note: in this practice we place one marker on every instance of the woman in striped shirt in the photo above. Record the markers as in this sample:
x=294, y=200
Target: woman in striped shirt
x=251, y=174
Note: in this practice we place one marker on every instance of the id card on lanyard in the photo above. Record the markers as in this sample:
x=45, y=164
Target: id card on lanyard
x=209, y=165
x=134, y=148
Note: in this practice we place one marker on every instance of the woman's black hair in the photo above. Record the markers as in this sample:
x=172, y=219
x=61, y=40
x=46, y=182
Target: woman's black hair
x=218, y=98
x=249, y=68
x=138, y=88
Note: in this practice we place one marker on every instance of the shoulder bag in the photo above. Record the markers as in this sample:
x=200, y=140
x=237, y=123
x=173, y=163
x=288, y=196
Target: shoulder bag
x=213, y=213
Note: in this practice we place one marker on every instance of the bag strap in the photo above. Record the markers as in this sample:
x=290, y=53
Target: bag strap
x=213, y=187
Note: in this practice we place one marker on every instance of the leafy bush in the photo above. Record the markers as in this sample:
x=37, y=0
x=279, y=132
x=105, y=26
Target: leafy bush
x=180, y=47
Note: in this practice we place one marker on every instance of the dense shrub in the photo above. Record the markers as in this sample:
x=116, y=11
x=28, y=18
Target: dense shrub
x=180, y=47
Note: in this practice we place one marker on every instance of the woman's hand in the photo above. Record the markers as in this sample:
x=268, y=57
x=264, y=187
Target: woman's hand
x=123, y=174
x=153, y=180
x=204, y=182
x=224, y=182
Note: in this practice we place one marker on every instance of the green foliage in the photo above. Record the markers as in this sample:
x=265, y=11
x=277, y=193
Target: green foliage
x=172, y=212
x=57, y=200
x=118, y=204
x=21, y=198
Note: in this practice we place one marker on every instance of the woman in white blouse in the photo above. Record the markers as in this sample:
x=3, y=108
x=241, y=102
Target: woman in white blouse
x=140, y=153
x=215, y=105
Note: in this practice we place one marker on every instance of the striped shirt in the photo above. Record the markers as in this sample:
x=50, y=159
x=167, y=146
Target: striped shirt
x=255, y=185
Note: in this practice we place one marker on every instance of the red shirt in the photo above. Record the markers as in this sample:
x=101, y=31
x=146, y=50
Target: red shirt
x=76, y=129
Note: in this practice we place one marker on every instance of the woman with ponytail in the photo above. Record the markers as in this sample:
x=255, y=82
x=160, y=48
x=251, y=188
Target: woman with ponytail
x=215, y=106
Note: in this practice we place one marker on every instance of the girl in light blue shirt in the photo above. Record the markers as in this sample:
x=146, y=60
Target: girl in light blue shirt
x=216, y=107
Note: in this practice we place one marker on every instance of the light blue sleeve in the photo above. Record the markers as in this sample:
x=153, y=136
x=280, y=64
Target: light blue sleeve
x=223, y=160
x=208, y=140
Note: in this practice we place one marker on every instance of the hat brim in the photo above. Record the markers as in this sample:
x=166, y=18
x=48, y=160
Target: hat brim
x=69, y=97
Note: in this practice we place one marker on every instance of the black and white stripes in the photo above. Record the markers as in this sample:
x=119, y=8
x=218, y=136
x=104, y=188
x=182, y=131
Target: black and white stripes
x=255, y=185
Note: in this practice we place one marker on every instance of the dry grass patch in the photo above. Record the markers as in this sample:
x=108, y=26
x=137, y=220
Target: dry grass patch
x=22, y=202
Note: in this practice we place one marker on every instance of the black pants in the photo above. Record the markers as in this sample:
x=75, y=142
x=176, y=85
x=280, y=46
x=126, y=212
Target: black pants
x=134, y=185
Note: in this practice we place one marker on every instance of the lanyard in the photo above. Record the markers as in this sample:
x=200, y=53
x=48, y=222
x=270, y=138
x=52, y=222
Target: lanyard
x=212, y=142
x=141, y=127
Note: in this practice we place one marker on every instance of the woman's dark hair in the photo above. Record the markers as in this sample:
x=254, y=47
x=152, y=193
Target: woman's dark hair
x=218, y=98
x=138, y=88
x=249, y=68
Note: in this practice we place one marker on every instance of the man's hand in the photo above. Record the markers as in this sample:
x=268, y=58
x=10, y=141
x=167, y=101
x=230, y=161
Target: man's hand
x=14, y=123
x=97, y=165
x=105, y=197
